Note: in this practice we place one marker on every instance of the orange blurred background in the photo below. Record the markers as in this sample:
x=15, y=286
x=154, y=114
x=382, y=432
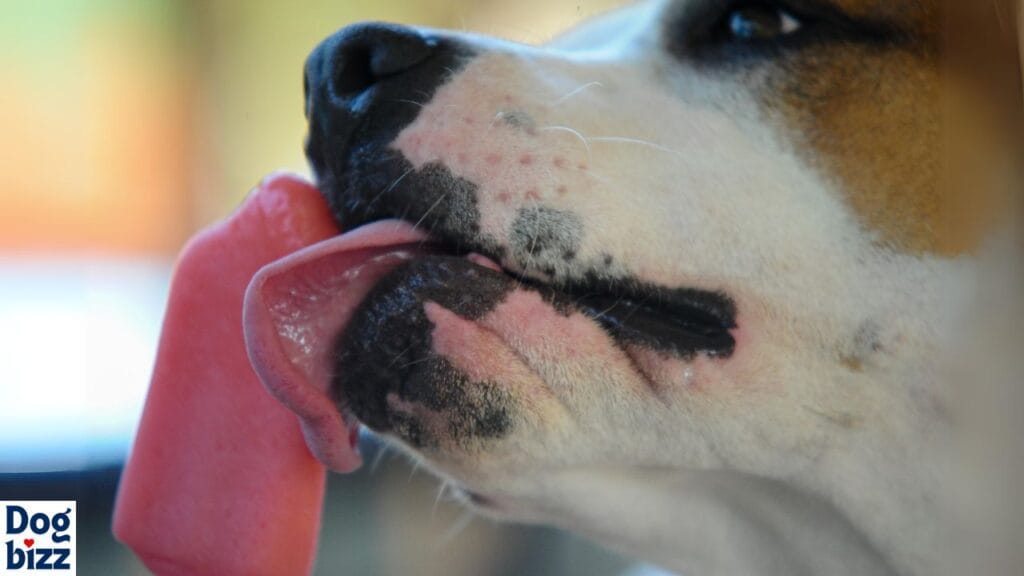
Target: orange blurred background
x=97, y=111
x=128, y=124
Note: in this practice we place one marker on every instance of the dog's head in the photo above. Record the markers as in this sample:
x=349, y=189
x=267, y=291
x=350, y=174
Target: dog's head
x=688, y=237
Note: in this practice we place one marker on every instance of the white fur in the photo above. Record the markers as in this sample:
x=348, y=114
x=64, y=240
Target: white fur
x=785, y=461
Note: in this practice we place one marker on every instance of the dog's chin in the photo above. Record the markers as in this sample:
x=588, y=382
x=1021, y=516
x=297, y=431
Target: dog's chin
x=398, y=372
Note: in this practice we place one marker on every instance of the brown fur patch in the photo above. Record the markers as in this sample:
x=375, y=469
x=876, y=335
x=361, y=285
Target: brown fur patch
x=919, y=17
x=875, y=119
x=869, y=117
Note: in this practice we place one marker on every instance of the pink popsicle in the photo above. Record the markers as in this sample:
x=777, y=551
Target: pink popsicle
x=219, y=480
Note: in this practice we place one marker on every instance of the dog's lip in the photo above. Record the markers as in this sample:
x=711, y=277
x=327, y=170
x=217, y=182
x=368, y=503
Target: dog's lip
x=284, y=324
x=681, y=322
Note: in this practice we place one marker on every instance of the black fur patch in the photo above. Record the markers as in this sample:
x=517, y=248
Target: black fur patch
x=439, y=201
x=540, y=229
x=386, y=348
x=544, y=238
x=682, y=322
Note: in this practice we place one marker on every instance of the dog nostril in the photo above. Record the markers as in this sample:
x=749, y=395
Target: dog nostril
x=366, y=54
x=353, y=74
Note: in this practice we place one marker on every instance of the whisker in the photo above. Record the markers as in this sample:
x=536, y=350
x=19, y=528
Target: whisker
x=575, y=133
x=413, y=102
x=530, y=253
x=427, y=213
x=383, y=451
x=441, y=491
x=623, y=140
x=576, y=301
x=456, y=528
x=575, y=92
x=399, y=355
x=635, y=308
x=389, y=188
x=415, y=468
x=414, y=362
x=497, y=117
x=601, y=314
x=600, y=178
x=402, y=218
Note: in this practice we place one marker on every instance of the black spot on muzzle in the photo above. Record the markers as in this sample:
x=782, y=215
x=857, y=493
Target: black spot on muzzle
x=545, y=238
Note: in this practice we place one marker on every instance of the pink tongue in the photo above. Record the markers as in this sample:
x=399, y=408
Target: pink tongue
x=294, y=310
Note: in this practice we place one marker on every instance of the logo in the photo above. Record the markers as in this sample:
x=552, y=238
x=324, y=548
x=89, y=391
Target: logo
x=38, y=537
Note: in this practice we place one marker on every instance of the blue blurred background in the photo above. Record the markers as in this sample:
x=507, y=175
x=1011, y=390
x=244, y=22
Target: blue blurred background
x=126, y=127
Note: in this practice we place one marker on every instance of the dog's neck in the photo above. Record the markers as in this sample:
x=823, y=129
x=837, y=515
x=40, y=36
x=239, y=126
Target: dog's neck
x=728, y=523
x=889, y=479
x=716, y=523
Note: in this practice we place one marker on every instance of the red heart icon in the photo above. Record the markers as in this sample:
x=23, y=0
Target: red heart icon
x=29, y=542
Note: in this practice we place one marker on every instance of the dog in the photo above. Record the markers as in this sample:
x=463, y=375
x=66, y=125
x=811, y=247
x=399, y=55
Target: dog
x=679, y=280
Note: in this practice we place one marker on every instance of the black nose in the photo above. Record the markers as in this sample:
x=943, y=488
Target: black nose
x=344, y=69
x=364, y=85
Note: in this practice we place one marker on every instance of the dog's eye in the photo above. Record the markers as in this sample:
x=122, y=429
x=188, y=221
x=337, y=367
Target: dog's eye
x=745, y=32
x=758, y=23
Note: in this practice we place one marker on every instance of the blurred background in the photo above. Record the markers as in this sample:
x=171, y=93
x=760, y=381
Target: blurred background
x=128, y=125
x=125, y=127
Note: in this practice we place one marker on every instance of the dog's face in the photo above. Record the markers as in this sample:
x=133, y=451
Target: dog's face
x=689, y=236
